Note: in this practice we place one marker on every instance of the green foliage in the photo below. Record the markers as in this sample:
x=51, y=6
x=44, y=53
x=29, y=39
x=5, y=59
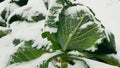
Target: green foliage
x=105, y=58
x=18, y=17
x=38, y=17
x=54, y=13
x=5, y=14
x=70, y=36
x=20, y=2
x=3, y=24
x=64, y=59
x=107, y=47
x=52, y=38
x=16, y=41
x=26, y=53
x=3, y=33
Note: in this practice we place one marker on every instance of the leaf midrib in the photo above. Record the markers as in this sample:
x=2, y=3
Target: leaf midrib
x=73, y=32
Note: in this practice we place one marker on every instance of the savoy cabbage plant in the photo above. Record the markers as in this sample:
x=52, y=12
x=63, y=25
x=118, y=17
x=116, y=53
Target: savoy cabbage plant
x=70, y=34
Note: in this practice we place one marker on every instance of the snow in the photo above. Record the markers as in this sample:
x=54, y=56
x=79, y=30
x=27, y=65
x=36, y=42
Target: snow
x=24, y=31
x=79, y=64
x=92, y=48
x=99, y=40
x=52, y=3
x=6, y=49
x=33, y=7
x=86, y=25
x=37, y=5
x=78, y=8
x=10, y=7
x=75, y=53
x=107, y=34
x=3, y=5
x=54, y=63
x=30, y=31
x=3, y=28
x=51, y=30
x=106, y=10
x=36, y=62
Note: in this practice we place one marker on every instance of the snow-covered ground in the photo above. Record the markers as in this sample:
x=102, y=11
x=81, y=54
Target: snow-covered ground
x=108, y=11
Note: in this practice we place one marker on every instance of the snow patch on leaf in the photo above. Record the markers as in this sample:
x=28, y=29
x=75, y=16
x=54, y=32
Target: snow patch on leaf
x=76, y=9
x=92, y=48
x=86, y=25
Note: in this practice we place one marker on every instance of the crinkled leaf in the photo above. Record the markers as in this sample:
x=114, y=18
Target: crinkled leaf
x=52, y=37
x=73, y=36
x=106, y=46
x=105, y=58
x=53, y=14
x=26, y=53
